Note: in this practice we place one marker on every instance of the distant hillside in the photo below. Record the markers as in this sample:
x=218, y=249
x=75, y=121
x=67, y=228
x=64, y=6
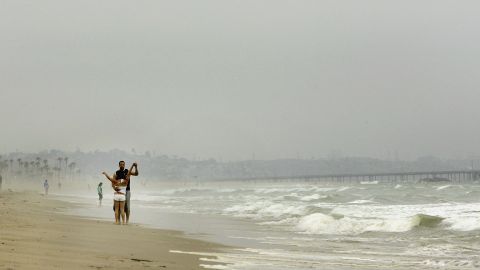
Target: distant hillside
x=56, y=163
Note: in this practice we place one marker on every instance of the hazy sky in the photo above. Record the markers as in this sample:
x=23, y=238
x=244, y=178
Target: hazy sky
x=226, y=79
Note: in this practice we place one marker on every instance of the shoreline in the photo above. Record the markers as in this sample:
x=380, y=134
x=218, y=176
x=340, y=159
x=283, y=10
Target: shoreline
x=34, y=235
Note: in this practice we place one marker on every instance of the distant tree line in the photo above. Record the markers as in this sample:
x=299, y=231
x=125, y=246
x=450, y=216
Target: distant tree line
x=60, y=165
x=38, y=167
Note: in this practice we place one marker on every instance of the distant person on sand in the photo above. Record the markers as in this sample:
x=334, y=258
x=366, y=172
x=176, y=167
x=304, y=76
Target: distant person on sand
x=121, y=174
x=0, y=182
x=59, y=185
x=100, y=193
x=119, y=195
x=46, y=186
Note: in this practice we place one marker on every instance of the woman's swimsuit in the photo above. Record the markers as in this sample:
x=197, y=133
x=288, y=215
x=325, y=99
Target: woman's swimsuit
x=119, y=194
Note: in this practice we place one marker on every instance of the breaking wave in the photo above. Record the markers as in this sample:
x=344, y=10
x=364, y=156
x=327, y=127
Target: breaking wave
x=319, y=223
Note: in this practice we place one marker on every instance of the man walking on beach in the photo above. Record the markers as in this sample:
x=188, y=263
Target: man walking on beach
x=0, y=182
x=122, y=174
x=46, y=186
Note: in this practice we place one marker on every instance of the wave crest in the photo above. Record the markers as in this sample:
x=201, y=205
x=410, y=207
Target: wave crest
x=319, y=223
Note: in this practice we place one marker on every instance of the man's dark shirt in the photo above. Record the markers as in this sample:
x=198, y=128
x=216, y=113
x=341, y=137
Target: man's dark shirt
x=122, y=175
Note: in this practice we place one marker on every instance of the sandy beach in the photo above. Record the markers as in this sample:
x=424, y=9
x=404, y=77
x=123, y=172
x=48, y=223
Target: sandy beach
x=34, y=235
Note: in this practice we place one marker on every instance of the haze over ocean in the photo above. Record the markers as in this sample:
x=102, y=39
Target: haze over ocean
x=232, y=110
x=237, y=79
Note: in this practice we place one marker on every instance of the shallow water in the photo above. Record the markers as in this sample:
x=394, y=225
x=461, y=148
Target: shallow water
x=297, y=225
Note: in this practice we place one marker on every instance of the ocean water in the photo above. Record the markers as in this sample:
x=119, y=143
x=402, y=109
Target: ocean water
x=299, y=225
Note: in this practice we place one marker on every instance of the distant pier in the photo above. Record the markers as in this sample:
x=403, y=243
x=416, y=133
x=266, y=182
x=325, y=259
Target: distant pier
x=432, y=176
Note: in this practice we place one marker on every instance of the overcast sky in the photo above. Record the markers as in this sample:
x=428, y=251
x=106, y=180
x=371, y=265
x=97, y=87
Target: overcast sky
x=233, y=79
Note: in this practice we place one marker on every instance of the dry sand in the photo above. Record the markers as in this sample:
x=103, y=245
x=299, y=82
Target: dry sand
x=33, y=235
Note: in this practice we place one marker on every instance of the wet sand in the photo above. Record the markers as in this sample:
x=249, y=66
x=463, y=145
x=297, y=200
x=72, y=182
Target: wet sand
x=34, y=235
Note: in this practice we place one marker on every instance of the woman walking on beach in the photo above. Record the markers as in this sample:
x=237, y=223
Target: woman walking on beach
x=120, y=189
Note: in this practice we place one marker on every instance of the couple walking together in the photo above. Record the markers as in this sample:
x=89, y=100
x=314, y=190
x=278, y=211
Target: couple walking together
x=121, y=195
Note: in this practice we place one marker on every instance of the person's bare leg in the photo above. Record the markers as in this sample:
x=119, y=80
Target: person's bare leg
x=117, y=212
x=122, y=211
x=127, y=203
x=127, y=213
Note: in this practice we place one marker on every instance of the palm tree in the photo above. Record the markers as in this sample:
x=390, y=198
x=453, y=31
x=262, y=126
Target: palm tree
x=72, y=166
x=20, y=166
x=59, y=166
x=47, y=169
x=19, y=160
x=57, y=169
x=25, y=165
x=3, y=165
x=66, y=162
x=37, y=165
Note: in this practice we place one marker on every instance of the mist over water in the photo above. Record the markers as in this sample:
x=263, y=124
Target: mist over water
x=198, y=92
x=271, y=79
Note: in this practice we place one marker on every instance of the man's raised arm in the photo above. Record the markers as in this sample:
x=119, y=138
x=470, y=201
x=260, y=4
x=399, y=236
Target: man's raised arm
x=127, y=177
x=136, y=169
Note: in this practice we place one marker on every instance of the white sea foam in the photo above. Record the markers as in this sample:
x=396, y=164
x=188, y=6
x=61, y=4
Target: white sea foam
x=293, y=195
x=312, y=197
x=450, y=264
x=361, y=201
x=319, y=223
x=369, y=182
x=265, y=209
x=287, y=221
x=278, y=210
x=214, y=266
x=324, y=224
x=343, y=189
x=463, y=223
x=268, y=190
x=443, y=187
